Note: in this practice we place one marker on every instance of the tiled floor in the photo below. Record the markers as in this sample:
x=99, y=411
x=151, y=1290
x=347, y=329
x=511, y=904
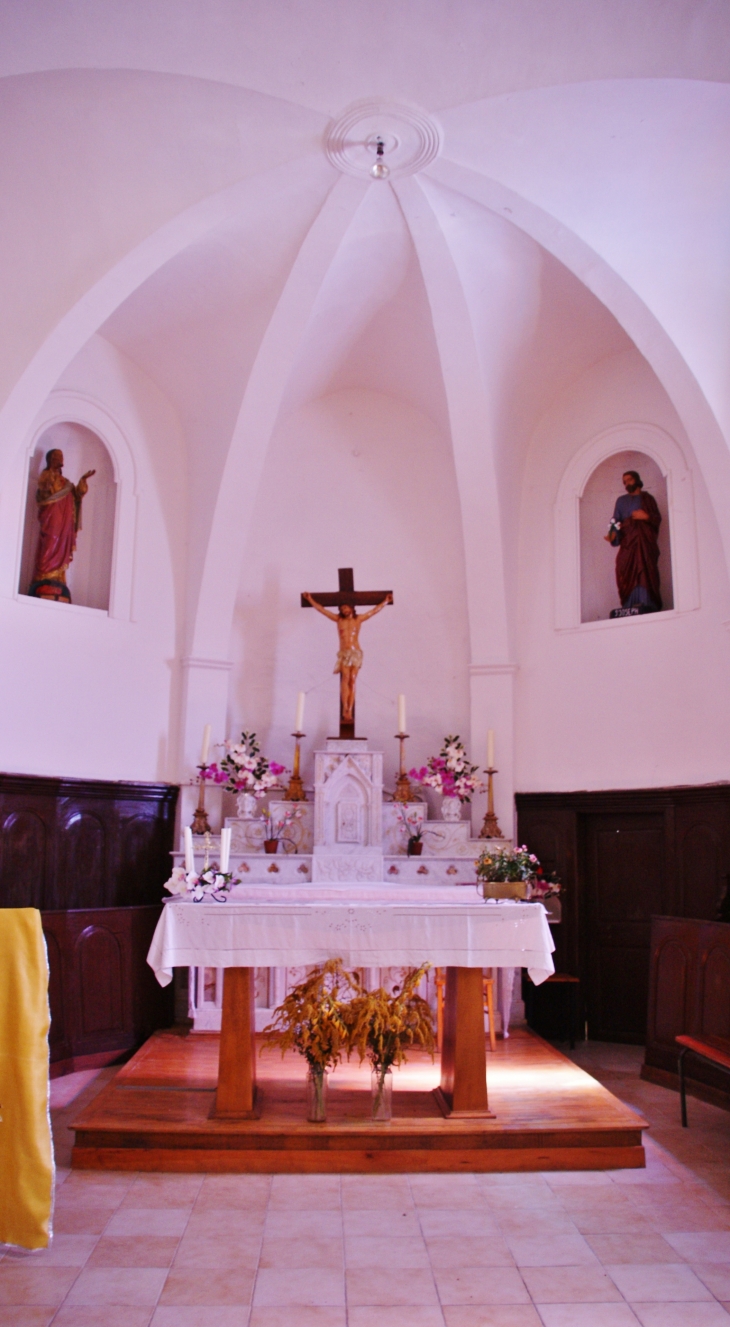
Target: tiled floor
x=561, y=1250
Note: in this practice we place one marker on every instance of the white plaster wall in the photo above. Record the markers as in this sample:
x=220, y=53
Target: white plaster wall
x=636, y=703
x=354, y=479
x=86, y=694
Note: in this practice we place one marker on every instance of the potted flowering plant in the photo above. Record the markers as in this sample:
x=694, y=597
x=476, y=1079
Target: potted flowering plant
x=276, y=828
x=383, y=1027
x=247, y=772
x=211, y=883
x=411, y=824
x=512, y=873
x=313, y=1020
x=451, y=774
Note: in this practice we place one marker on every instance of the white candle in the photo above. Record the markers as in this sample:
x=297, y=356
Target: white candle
x=299, y=721
x=206, y=744
x=401, y=714
x=490, y=749
x=189, y=854
x=225, y=848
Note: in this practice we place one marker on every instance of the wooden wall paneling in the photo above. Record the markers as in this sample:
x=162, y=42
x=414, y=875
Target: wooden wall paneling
x=70, y=843
x=679, y=869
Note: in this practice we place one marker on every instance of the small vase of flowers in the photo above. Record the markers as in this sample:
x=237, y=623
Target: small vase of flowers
x=411, y=824
x=451, y=774
x=276, y=829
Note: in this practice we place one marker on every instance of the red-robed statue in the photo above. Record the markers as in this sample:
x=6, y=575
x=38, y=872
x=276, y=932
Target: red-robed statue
x=59, y=513
x=634, y=527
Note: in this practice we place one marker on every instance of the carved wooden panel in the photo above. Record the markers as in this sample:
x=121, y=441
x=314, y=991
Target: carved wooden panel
x=98, y=962
x=714, y=998
x=690, y=993
x=103, y=994
x=23, y=858
x=83, y=856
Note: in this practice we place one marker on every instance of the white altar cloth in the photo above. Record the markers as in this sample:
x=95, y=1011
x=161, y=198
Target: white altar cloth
x=366, y=926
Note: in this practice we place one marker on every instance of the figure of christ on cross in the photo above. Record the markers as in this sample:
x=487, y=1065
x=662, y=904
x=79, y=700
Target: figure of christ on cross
x=349, y=657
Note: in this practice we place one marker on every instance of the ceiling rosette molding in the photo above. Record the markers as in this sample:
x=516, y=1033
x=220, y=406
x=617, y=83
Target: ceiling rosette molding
x=411, y=138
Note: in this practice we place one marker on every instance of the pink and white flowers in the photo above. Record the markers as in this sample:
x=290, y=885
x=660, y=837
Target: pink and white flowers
x=450, y=772
x=210, y=883
x=244, y=769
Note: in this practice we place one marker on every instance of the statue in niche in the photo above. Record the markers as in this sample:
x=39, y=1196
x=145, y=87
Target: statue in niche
x=634, y=529
x=59, y=513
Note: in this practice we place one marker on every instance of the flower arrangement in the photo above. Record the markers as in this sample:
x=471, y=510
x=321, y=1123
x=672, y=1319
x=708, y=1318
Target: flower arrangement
x=313, y=1021
x=382, y=1027
x=450, y=772
x=410, y=823
x=210, y=883
x=516, y=864
x=275, y=829
x=244, y=769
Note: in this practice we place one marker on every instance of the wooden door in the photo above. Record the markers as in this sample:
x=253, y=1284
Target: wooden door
x=625, y=882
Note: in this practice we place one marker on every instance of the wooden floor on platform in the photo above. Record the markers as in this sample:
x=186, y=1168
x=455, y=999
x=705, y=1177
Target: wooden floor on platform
x=549, y=1115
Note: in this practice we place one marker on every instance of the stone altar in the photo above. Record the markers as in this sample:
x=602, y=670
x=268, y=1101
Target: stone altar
x=348, y=833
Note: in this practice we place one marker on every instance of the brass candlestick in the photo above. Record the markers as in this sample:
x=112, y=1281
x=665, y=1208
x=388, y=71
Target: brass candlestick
x=199, y=824
x=490, y=829
x=295, y=791
x=403, y=791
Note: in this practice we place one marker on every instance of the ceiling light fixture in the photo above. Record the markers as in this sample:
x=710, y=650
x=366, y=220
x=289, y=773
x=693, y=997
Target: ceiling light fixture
x=379, y=170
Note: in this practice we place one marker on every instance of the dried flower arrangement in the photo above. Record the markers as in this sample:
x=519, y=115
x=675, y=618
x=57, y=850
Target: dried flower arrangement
x=313, y=1020
x=383, y=1026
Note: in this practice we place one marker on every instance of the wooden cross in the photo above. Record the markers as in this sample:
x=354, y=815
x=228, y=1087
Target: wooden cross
x=347, y=594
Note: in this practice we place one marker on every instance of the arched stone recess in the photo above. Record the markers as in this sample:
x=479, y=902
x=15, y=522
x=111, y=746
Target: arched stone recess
x=71, y=407
x=656, y=443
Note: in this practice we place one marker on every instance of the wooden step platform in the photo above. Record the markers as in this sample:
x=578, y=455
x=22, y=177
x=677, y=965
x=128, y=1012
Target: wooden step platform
x=549, y=1115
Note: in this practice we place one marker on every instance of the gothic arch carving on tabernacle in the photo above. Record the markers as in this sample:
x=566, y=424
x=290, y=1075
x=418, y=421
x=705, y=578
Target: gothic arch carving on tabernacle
x=76, y=408
x=668, y=456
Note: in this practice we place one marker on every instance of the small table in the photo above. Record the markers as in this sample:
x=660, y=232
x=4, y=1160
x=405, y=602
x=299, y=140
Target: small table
x=366, y=926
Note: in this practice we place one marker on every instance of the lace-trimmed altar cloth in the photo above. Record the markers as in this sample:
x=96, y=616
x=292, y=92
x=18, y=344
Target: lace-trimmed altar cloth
x=366, y=926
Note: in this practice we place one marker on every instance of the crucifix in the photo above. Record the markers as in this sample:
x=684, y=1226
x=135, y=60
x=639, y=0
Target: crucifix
x=349, y=655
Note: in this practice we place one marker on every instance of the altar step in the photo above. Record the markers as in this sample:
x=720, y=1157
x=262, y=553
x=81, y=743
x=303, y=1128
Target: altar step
x=155, y=1115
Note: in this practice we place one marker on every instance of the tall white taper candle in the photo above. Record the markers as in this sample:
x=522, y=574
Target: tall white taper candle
x=189, y=854
x=298, y=722
x=225, y=847
x=206, y=744
x=490, y=749
x=401, y=714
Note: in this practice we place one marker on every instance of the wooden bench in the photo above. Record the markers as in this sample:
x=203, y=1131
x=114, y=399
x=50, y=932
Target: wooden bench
x=716, y=1050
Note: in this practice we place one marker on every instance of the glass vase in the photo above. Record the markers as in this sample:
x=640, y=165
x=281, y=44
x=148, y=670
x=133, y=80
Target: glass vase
x=381, y=1093
x=316, y=1096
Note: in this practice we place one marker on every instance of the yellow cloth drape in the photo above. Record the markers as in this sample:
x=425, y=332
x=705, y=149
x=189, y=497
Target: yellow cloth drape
x=26, y=1150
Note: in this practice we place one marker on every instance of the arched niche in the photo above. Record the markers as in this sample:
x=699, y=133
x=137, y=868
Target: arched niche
x=642, y=440
x=598, y=592
x=89, y=576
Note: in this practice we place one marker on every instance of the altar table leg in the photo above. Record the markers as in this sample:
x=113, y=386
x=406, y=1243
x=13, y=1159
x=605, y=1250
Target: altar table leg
x=235, y=1098
x=463, y=1090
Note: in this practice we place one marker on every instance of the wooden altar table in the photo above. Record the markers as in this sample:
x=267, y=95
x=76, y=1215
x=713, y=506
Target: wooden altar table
x=366, y=926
